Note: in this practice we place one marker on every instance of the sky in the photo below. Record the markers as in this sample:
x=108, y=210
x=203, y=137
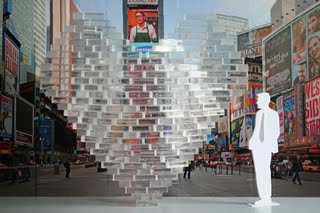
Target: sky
x=256, y=11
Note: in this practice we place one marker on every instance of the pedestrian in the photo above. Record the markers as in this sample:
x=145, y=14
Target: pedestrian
x=142, y=32
x=67, y=166
x=187, y=169
x=296, y=168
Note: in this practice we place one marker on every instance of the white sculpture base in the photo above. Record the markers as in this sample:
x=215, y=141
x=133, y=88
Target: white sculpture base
x=261, y=203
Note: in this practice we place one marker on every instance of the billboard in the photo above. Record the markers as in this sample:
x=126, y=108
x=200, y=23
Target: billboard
x=237, y=132
x=237, y=106
x=6, y=119
x=289, y=115
x=312, y=107
x=223, y=126
x=314, y=43
x=303, y=63
x=246, y=130
x=143, y=25
x=44, y=133
x=24, y=122
x=299, y=40
x=281, y=118
x=278, y=62
x=250, y=43
x=251, y=94
x=12, y=66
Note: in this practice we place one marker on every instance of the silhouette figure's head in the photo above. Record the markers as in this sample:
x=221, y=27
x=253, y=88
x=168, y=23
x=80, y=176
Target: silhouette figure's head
x=263, y=100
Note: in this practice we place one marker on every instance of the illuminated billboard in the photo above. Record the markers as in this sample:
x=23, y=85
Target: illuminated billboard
x=143, y=25
x=278, y=62
x=292, y=53
x=312, y=107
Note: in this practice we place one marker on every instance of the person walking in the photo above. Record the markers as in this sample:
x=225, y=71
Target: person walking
x=296, y=168
x=187, y=170
x=68, y=169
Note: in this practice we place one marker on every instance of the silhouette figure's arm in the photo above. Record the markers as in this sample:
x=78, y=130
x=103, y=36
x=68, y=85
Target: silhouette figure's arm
x=255, y=136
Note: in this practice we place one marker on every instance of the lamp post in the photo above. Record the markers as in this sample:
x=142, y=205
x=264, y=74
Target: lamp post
x=42, y=150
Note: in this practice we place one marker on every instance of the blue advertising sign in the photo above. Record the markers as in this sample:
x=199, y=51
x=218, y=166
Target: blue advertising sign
x=44, y=133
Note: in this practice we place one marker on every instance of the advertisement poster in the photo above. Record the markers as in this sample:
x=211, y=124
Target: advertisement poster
x=278, y=62
x=251, y=94
x=312, y=107
x=299, y=40
x=6, y=120
x=313, y=43
x=299, y=105
x=143, y=29
x=24, y=122
x=237, y=132
x=237, y=106
x=223, y=126
x=44, y=133
x=281, y=118
x=289, y=115
x=250, y=43
x=12, y=66
x=299, y=73
x=246, y=130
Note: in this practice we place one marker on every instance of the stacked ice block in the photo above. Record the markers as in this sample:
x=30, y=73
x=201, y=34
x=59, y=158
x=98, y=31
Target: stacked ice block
x=144, y=116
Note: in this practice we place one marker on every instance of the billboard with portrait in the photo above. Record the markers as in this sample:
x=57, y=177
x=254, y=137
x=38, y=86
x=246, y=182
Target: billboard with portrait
x=304, y=64
x=299, y=40
x=281, y=118
x=312, y=107
x=289, y=115
x=143, y=25
x=250, y=43
x=6, y=119
x=278, y=61
x=11, y=66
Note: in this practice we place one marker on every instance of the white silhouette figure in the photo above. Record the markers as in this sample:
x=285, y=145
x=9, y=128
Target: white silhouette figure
x=262, y=143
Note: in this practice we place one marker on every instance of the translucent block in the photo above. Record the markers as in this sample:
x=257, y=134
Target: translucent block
x=142, y=116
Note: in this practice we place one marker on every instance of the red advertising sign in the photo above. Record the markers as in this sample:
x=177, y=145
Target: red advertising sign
x=314, y=150
x=312, y=107
x=12, y=66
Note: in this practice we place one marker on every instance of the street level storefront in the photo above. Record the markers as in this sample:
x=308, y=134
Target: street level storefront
x=307, y=147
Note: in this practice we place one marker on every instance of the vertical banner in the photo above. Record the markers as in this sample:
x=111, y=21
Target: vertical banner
x=299, y=40
x=251, y=94
x=237, y=106
x=281, y=118
x=299, y=105
x=237, y=132
x=289, y=115
x=278, y=62
x=223, y=125
x=12, y=66
x=6, y=119
x=246, y=130
x=45, y=133
x=312, y=107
